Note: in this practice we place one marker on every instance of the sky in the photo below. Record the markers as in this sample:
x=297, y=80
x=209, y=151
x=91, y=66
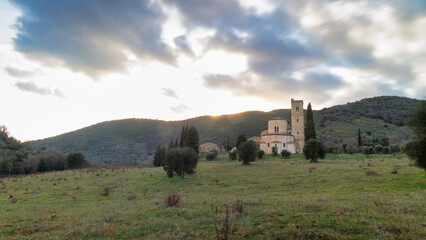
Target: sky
x=68, y=64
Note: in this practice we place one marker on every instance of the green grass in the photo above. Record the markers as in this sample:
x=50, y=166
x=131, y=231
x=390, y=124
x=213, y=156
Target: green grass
x=282, y=199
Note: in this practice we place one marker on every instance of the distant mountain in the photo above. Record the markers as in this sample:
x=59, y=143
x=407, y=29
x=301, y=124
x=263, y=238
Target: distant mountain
x=124, y=141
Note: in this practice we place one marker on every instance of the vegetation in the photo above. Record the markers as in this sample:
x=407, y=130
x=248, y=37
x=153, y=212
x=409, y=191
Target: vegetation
x=350, y=149
x=260, y=154
x=159, y=156
x=271, y=199
x=313, y=150
x=285, y=153
x=180, y=161
x=240, y=139
x=233, y=155
x=309, y=125
x=417, y=122
x=275, y=150
x=247, y=152
x=75, y=160
x=127, y=142
x=211, y=156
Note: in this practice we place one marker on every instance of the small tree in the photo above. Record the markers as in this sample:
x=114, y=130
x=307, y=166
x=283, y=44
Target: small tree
x=260, y=154
x=275, y=150
x=247, y=152
x=313, y=150
x=211, y=155
x=285, y=153
x=180, y=161
x=42, y=166
x=384, y=141
x=365, y=150
x=350, y=149
x=159, y=156
x=75, y=160
x=240, y=139
x=394, y=148
x=386, y=150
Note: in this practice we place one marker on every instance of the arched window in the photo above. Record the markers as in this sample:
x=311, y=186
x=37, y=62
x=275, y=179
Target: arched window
x=297, y=120
x=268, y=144
x=278, y=129
x=297, y=132
x=283, y=144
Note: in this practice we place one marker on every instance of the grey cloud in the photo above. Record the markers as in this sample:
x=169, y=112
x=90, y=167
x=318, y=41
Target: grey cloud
x=14, y=72
x=169, y=93
x=91, y=36
x=179, y=109
x=182, y=43
x=31, y=87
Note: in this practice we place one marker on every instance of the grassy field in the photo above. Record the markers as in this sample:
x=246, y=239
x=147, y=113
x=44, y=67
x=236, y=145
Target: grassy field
x=272, y=198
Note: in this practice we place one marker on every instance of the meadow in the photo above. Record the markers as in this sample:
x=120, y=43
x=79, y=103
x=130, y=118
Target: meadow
x=341, y=197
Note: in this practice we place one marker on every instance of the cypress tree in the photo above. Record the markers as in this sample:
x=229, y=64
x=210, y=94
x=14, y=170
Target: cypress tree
x=310, y=125
x=359, y=138
x=194, y=139
x=182, y=134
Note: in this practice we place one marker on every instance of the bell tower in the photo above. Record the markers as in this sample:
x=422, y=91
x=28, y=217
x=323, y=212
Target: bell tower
x=298, y=123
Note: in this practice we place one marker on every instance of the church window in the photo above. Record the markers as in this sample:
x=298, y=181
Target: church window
x=283, y=144
x=268, y=144
x=297, y=120
x=297, y=132
x=278, y=129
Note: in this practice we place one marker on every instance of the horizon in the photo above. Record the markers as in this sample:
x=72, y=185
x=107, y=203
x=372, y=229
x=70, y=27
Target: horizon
x=70, y=64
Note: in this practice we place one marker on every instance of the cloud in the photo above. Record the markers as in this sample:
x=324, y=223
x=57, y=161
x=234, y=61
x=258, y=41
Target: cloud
x=31, y=87
x=179, y=109
x=169, y=93
x=182, y=43
x=14, y=72
x=93, y=37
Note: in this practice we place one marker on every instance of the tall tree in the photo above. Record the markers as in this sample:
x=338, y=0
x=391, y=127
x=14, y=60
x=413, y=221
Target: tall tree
x=160, y=155
x=182, y=134
x=416, y=149
x=194, y=139
x=310, y=125
x=359, y=138
x=240, y=139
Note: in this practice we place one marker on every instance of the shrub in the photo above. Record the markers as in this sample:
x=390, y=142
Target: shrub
x=233, y=155
x=313, y=150
x=260, y=154
x=105, y=192
x=275, y=150
x=172, y=199
x=350, y=149
x=180, y=161
x=332, y=149
x=378, y=148
x=42, y=166
x=394, y=148
x=386, y=150
x=285, y=153
x=211, y=155
x=75, y=160
x=371, y=173
x=247, y=152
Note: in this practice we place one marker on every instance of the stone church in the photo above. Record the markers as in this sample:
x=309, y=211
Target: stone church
x=281, y=134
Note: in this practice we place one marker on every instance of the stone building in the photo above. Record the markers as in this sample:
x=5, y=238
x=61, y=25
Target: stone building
x=207, y=147
x=281, y=134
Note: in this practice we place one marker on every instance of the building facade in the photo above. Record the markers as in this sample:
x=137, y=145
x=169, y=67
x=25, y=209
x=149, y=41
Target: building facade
x=282, y=135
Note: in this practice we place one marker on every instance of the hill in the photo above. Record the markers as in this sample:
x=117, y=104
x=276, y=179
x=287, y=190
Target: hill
x=121, y=142
x=269, y=199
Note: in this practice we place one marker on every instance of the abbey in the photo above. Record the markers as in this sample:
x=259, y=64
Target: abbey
x=282, y=135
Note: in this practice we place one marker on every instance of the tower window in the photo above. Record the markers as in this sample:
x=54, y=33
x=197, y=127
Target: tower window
x=297, y=120
x=297, y=109
x=297, y=132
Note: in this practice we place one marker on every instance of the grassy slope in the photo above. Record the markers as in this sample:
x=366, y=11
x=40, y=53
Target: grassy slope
x=281, y=198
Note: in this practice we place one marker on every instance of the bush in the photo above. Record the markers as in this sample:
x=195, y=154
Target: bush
x=260, y=154
x=211, y=155
x=172, y=199
x=378, y=148
x=247, y=152
x=180, y=161
x=285, y=153
x=394, y=148
x=386, y=150
x=75, y=160
x=275, y=150
x=42, y=166
x=350, y=149
x=313, y=150
x=332, y=149
x=233, y=155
